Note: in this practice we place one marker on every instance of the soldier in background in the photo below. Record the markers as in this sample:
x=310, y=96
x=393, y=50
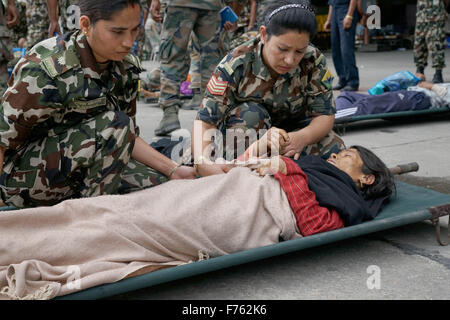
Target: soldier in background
x=183, y=17
x=429, y=36
x=37, y=21
x=276, y=80
x=20, y=30
x=9, y=17
x=68, y=118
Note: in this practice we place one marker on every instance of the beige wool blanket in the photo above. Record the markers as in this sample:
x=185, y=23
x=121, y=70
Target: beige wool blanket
x=52, y=251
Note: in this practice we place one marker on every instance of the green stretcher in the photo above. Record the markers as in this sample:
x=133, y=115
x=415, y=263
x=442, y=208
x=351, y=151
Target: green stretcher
x=411, y=204
x=340, y=124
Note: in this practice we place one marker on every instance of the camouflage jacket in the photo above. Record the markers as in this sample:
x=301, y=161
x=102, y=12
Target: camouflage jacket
x=241, y=76
x=199, y=4
x=56, y=85
x=430, y=10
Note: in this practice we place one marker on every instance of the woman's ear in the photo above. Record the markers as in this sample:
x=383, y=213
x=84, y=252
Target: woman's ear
x=367, y=179
x=85, y=24
x=263, y=34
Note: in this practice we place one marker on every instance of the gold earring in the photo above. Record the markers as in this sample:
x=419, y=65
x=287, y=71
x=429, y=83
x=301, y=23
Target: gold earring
x=361, y=185
x=85, y=32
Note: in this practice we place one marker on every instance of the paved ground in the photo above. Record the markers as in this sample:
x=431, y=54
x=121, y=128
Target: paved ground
x=412, y=264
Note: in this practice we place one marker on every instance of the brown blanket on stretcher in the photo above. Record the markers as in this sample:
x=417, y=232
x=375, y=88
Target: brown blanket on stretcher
x=77, y=244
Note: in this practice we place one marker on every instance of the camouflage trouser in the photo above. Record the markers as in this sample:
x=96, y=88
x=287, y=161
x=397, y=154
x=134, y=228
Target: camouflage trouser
x=251, y=115
x=430, y=37
x=178, y=24
x=37, y=22
x=6, y=55
x=90, y=159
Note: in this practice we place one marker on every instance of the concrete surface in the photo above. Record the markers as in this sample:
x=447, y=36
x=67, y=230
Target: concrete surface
x=412, y=265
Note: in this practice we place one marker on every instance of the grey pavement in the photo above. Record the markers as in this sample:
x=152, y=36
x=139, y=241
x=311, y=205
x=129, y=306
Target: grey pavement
x=412, y=264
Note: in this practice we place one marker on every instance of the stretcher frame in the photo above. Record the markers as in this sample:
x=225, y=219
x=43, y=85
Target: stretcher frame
x=341, y=124
x=411, y=204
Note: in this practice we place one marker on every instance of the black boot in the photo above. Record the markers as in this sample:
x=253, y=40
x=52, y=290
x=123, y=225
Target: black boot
x=437, y=78
x=420, y=70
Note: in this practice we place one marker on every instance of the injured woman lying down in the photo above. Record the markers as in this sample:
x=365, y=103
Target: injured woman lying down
x=52, y=251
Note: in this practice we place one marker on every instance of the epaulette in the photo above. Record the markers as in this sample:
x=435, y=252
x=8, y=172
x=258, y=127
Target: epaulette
x=134, y=60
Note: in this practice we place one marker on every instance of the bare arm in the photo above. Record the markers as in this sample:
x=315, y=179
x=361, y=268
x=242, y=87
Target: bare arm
x=53, y=27
x=314, y=132
x=200, y=152
x=327, y=24
x=145, y=154
x=253, y=7
x=12, y=14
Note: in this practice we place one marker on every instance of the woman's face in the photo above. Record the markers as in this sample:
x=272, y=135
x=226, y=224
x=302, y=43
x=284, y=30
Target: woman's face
x=112, y=39
x=350, y=162
x=284, y=52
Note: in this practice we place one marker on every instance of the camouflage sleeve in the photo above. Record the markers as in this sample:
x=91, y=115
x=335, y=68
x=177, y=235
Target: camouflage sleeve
x=220, y=93
x=32, y=97
x=319, y=92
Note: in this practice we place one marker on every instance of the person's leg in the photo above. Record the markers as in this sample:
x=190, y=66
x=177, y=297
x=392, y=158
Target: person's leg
x=331, y=143
x=336, y=24
x=207, y=30
x=177, y=27
x=420, y=47
x=348, y=51
x=86, y=160
x=437, y=49
x=195, y=74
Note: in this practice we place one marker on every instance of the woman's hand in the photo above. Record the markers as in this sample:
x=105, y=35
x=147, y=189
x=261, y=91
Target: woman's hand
x=273, y=166
x=327, y=26
x=183, y=172
x=347, y=23
x=295, y=146
x=155, y=11
x=228, y=26
x=273, y=140
x=205, y=170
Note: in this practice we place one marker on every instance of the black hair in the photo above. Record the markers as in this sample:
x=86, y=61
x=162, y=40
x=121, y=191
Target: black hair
x=294, y=18
x=104, y=9
x=384, y=180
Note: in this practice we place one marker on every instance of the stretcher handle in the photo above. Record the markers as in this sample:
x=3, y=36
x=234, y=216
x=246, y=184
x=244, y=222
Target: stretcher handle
x=404, y=168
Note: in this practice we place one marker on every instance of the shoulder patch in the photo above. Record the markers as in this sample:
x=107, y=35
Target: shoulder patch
x=216, y=86
x=327, y=79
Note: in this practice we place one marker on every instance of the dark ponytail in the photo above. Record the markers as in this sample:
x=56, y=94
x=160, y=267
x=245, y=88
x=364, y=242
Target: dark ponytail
x=300, y=18
x=104, y=9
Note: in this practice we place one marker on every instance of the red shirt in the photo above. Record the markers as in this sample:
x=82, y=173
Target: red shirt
x=310, y=216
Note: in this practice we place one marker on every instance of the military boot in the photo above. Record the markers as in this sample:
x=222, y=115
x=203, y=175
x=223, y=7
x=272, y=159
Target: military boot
x=437, y=78
x=194, y=103
x=169, y=122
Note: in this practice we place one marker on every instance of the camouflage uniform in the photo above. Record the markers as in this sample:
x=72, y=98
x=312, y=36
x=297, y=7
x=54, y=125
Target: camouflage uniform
x=201, y=17
x=242, y=95
x=261, y=10
x=37, y=21
x=69, y=129
x=69, y=12
x=430, y=33
x=5, y=50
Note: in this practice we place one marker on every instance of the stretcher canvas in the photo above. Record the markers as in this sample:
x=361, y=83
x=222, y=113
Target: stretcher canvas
x=410, y=205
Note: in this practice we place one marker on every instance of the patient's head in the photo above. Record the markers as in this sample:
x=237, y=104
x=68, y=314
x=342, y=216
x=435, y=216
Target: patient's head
x=370, y=174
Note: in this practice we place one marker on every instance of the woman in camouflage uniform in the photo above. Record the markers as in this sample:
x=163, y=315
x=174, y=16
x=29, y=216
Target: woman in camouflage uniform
x=68, y=125
x=276, y=80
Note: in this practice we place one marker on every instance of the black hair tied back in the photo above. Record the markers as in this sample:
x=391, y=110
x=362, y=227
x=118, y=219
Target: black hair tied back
x=282, y=16
x=104, y=9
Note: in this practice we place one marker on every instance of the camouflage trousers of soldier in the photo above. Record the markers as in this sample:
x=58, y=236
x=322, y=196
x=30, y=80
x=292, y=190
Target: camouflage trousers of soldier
x=429, y=37
x=178, y=24
x=253, y=116
x=90, y=159
x=6, y=56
